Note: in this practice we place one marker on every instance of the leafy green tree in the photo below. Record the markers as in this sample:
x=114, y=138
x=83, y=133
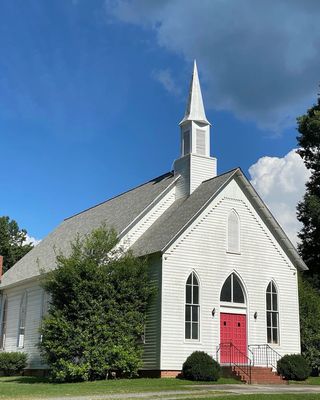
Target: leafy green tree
x=13, y=244
x=97, y=311
x=309, y=300
x=309, y=207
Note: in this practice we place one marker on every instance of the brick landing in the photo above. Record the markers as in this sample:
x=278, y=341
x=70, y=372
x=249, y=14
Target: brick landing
x=260, y=375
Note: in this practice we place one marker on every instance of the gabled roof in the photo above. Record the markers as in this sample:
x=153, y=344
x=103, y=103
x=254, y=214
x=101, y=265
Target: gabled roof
x=178, y=217
x=172, y=222
x=118, y=212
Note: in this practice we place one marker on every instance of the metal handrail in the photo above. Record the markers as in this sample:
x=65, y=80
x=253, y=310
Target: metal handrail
x=236, y=358
x=264, y=354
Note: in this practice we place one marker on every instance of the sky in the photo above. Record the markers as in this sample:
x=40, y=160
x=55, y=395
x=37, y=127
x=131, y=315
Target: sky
x=92, y=91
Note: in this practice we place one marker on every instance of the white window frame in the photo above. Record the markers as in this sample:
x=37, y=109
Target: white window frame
x=4, y=317
x=22, y=320
x=229, y=303
x=272, y=312
x=191, y=305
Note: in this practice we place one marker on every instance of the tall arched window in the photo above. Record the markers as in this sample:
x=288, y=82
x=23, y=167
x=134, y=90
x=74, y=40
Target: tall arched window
x=3, y=326
x=272, y=314
x=22, y=320
x=232, y=290
x=233, y=244
x=192, y=316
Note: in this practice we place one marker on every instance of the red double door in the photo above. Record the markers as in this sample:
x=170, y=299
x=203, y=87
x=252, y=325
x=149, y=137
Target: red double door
x=233, y=338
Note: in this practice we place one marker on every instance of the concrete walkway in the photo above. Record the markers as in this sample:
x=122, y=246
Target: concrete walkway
x=199, y=392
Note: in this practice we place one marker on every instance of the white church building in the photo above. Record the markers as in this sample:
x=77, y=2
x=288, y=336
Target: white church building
x=226, y=271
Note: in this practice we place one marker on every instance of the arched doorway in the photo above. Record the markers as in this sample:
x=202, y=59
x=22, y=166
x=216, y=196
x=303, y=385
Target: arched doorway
x=233, y=321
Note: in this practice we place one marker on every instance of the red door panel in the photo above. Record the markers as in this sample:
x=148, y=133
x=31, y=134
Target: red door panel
x=233, y=329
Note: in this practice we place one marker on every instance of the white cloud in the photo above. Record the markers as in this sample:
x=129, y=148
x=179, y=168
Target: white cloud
x=281, y=184
x=165, y=77
x=259, y=59
x=31, y=239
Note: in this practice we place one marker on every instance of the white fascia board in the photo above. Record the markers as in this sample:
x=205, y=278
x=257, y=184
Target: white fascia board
x=274, y=226
x=196, y=214
x=148, y=208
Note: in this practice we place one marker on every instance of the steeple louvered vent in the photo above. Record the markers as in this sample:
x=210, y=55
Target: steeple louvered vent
x=201, y=142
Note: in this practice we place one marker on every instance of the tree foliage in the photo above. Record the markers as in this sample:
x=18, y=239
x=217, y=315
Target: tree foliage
x=309, y=207
x=13, y=244
x=97, y=310
x=309, y=300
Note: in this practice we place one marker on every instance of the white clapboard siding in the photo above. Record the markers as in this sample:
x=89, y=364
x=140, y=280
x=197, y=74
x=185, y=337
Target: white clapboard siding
x=203, y=248
x=33, y=317
x=151, y=355
x=202, y=168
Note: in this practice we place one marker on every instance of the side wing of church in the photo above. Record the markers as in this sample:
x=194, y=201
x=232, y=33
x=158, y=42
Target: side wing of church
x=226, y=272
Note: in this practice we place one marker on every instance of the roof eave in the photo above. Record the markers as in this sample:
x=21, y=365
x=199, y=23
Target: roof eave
x=283, y=239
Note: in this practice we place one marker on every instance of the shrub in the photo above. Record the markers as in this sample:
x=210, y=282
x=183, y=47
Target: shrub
x=293, y=367
x=99, y=297
x=12, y=363
x=199, y=366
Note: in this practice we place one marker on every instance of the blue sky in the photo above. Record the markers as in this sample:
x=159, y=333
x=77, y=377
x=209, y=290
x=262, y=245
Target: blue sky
x=92, y=91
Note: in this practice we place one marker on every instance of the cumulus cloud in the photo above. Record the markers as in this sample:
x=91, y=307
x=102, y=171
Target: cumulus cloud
x=260, y=59
x=164, y=76
x=32, y=240
x=281, y=184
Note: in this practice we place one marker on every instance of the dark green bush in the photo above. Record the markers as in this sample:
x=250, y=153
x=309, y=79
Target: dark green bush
x=97, y=312
x=293, y=367
x=12, y=363
x=199, y=366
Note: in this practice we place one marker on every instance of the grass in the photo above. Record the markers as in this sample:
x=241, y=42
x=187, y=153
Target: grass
x=31, y=387
x=312, y=380
x=287, y=396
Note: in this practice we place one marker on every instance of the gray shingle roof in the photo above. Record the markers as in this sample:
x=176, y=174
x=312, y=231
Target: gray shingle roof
x=117, y=212
x=173, y=220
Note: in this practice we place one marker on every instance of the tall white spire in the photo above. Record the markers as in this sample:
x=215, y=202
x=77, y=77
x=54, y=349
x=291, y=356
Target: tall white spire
x=195, y=109
x=195, y=164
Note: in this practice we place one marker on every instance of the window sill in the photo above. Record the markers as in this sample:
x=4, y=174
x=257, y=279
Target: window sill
x=238, y=253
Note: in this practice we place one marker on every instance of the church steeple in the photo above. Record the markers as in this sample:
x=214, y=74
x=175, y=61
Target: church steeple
x=195, y=109
x=195, y=128
x=195, y=164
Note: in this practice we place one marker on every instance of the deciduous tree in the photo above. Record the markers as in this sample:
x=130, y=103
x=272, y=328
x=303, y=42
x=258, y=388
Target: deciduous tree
x=309, y=207
x=13, y=244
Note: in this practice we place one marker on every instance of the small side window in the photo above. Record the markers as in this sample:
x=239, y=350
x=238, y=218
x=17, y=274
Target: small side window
x=22, y=320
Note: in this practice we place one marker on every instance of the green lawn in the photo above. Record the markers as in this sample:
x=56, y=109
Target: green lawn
x=30, y=387
x=288, y=396
x=312, y=380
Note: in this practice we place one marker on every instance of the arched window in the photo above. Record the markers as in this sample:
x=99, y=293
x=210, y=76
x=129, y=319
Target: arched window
x=233, y=232
x=3, y=326
x=22, y=320
x=232, y=290
x=192, y=308
x=272, y=314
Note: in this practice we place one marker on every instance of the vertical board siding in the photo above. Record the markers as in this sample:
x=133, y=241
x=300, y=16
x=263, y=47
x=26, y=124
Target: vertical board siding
x=151, y=355
x=33, y=319
x=202, y=248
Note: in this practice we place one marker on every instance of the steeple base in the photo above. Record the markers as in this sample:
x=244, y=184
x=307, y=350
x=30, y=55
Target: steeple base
x=193, y=169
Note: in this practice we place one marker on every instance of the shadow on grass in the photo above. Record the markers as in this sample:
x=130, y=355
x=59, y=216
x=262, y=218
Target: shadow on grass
x=24, y=379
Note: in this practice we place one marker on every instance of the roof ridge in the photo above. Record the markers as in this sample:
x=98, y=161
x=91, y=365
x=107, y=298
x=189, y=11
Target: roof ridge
x=225, y=173
x=120, y=194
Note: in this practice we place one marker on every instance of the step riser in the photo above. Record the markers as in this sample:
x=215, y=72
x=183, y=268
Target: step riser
x=261, y=375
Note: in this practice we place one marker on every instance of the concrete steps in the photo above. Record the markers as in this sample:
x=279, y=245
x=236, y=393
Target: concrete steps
x=259, y=375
